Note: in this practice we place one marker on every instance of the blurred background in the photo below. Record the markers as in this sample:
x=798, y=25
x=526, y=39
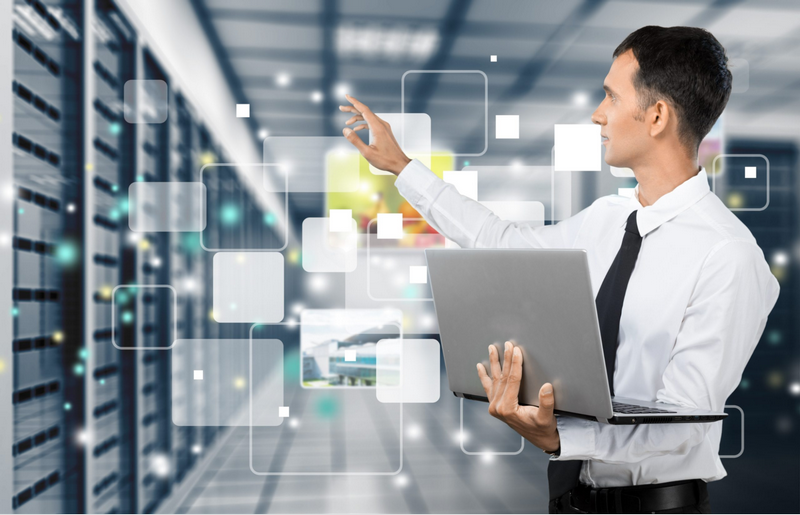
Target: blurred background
x=100, y=410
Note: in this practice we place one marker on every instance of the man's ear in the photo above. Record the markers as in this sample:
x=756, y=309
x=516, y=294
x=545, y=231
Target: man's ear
x=659, y=118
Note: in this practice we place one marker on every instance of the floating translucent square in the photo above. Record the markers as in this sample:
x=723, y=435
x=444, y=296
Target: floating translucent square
x=577, y=148
x=145, y=101
x=413, y=132
x=248, y=287
x=242, y=110
x=283, y=411
x=506, y=126
x=167, y=206
x=198, y=375
x=341, y=220
x=418, y=274
x=228, y=227
x=738, y=188
x=390, y=226
x=134, y=307
x=408, y=371
x=231, y=370
x=530, y=212
x=466, y=182
x=495, y=437
x=327, y=251
x=313, y=164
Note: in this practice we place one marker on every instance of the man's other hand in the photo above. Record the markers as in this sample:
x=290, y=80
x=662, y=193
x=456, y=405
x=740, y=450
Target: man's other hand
x=384, y=153
x=537, y=425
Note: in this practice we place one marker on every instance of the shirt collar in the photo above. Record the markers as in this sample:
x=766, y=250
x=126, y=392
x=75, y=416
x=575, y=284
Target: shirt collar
x=670, y=205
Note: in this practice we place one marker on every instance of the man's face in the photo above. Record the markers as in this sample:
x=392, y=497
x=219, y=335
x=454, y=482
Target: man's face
x=621, y=121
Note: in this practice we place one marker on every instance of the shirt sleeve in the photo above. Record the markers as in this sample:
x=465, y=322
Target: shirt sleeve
x=721, y=326
x=473, y=225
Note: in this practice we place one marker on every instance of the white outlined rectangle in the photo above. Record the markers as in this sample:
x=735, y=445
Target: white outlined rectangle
x=134, y=289
x=362, y=393
x=485, y=102
x=167, y=206
x=716, y=170
x=248, y=287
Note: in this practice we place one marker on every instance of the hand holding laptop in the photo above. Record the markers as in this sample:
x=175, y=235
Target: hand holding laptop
x=537, y=425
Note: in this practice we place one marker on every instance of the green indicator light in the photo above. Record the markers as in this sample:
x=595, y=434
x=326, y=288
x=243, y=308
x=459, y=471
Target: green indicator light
x=127, y=317
x=229, y=214
x=269, y=219
x=78, y=369
x=67, y=406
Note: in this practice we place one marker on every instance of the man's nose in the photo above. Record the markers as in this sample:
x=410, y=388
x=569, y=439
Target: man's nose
x=598, y=118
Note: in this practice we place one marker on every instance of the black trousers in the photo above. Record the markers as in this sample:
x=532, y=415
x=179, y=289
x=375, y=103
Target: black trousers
x=703, y=506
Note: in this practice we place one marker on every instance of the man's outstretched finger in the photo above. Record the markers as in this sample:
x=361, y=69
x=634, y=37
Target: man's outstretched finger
x=349, y=109
x=486, y=381
x=361, y=127
x=364, y=110
x=509, y=350
x=494, y=363
x=547, y=402
x=513, y=378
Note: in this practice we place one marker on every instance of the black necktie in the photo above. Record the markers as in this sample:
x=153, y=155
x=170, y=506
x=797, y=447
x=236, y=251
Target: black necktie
x=563, y=476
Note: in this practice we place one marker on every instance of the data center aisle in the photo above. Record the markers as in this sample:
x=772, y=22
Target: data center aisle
x=436, y=475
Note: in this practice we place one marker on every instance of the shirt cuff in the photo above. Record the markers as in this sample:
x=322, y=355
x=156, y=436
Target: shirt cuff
x=414, y=180
x=577, y=438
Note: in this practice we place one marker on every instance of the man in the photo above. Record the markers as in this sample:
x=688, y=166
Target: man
x=695, y=285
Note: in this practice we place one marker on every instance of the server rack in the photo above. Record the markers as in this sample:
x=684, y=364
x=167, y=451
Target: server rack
x=92, y=428
x=45, y=89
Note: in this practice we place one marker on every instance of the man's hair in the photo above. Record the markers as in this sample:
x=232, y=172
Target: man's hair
x=687, y=67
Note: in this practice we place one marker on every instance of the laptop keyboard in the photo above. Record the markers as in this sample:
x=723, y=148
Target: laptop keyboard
x=632, y=409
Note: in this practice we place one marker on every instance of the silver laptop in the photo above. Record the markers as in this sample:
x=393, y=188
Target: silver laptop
x=542, y=301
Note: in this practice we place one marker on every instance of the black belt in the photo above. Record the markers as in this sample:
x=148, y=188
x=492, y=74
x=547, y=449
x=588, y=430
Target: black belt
x=633, y=499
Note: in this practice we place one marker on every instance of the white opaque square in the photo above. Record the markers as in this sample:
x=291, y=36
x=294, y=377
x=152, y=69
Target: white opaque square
x=198, y=375
x=506, y=126
x=349, y=355
x=390, y=226
x=242, y=110
x=466, y=182
x=577, y=148
x=283, y=411
x=493, y=58
x=750, y=172
x=418, y=274
x=341, y=220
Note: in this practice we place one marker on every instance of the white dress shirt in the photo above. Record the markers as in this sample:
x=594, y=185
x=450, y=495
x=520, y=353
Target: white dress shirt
x=694, y=310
